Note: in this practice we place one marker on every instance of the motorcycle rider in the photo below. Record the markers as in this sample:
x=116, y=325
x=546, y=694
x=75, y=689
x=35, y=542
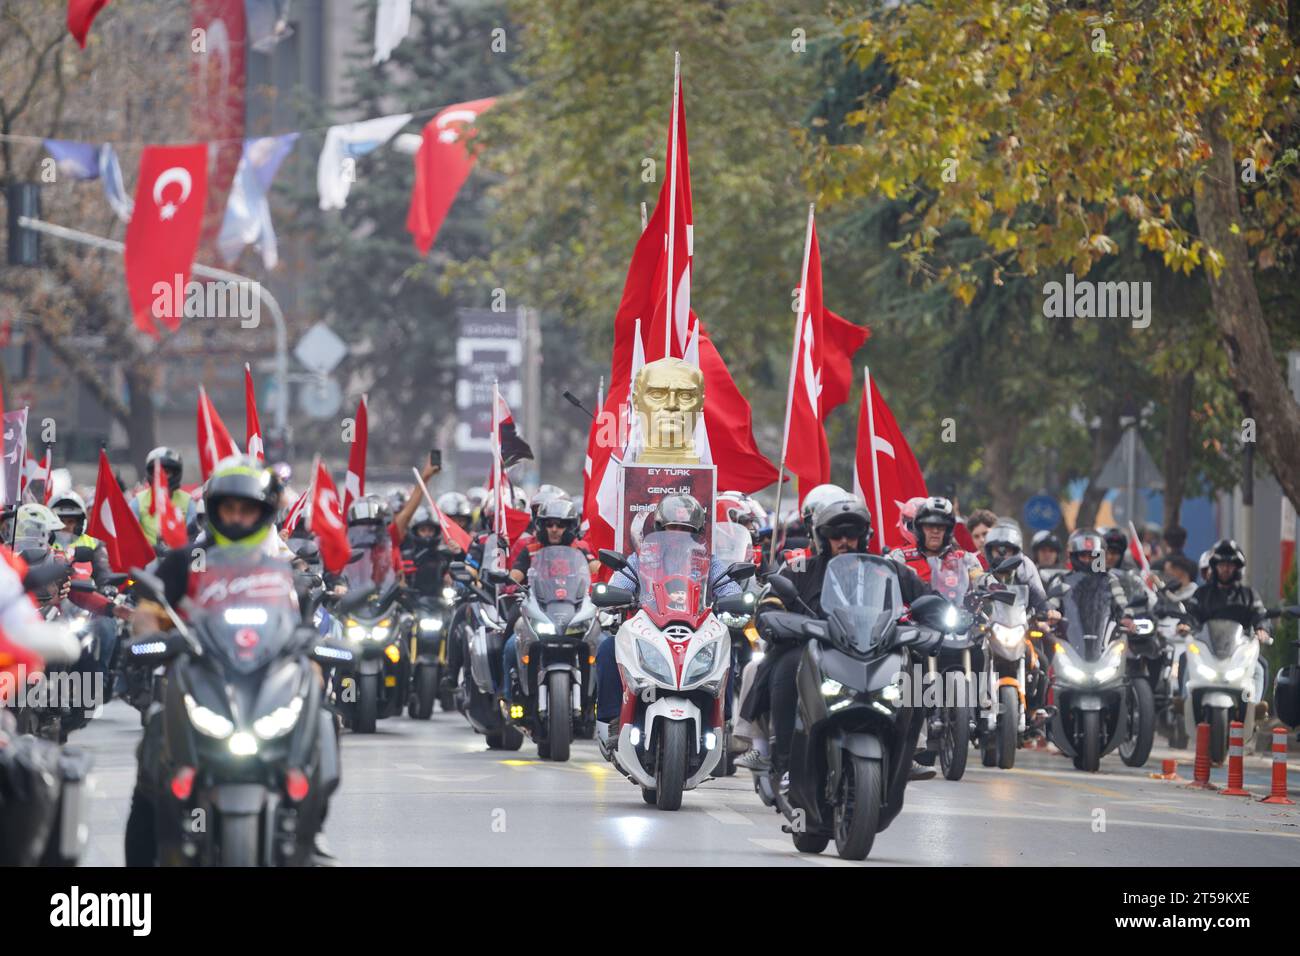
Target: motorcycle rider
x=1090, y=580
x=369, y=519
x=935, y=558
x=1046, y=550
x=141, y=504
x=679, y=512
x=839, y=527
x=1116, y=554
x=979, y=524
x=1003, y=541
x=542, y=495
x=240, y=498
x=71, y=510
x=1225, y=598
x=557, y=527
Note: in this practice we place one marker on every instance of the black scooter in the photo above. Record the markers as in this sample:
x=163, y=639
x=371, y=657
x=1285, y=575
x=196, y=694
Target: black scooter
x=855, y=732
x=243, y=757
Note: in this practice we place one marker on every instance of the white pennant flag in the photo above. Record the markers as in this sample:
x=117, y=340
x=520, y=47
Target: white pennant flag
x=336, y=169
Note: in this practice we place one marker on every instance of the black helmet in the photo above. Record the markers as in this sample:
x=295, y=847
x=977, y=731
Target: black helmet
x=935, y=511
x=1086, y=548
x=679, y=510
x=424, y=516
x=369, y=509
x=1045, y=539
x=1003, y=537
x=558, y=509
x=1116, y=539
x=171, y=465
x=1225, y=549
x=843, y=515
x=240, y=476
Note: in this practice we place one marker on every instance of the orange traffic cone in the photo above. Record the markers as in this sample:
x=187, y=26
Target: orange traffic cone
x=1235, y=771
x=1201, y=769
x=1278, y=794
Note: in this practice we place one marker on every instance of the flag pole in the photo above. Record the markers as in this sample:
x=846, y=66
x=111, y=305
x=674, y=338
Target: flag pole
x=499, y=519
x=644, y=219
x=875, y=470
x=669, y=312
x=789, y=394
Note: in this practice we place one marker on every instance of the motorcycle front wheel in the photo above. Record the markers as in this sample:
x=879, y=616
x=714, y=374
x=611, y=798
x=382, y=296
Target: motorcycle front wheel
x=670, y=775
x=559, y=730
x=1218, y=734
x=1135, y=748
x=955, y=744
x=1008, y=726
x=857, y=809
x=1090, y=741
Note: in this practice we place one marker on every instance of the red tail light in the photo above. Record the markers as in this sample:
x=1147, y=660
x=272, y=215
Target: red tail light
x=296, y=785
x=183, y=783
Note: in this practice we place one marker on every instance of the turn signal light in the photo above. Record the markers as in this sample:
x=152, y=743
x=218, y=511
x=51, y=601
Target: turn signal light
x=591, y=659
x=392, y=653
x=525, y=658
x=296, y=785
x=183, y=783
x=516, y=711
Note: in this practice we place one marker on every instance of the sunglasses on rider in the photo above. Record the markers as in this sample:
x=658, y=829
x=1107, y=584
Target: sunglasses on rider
x=841, y=534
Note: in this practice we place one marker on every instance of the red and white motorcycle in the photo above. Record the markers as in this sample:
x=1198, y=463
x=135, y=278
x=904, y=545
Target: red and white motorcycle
x=674, y=656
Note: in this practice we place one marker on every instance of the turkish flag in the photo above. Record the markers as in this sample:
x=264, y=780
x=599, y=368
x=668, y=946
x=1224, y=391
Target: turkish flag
x=354, y=484
x=295, y=512
x=327, y=522
x=885, y=472
x=171, y=523
x=806, y=453
x=163, y=233
x=841, y=340
x=668, y=330
x=217, y=71
x=252, y=426
x=81, y=13
x=113, y=522
x=441, y=167
x=215, y=442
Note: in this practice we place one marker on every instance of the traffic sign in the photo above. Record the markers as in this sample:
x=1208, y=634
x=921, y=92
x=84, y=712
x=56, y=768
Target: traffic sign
x=320, y=398
x=320, y=349
x=1042, y=512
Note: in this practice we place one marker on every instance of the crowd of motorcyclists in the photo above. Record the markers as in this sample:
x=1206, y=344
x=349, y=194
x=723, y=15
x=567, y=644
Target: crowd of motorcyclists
x=247, y=614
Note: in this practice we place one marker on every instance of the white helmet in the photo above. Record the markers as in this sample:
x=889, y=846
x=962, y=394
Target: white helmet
x=820, y=495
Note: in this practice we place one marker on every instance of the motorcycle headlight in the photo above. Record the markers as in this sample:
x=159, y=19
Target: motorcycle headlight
x=544, y=627
x=652, y=662
x=733, y=620
x=950, y=617
x=449, y=595
x=77, y=625
x=279, y=721
x=1066, y=665
x=702, y=663
x=380, y=631
x=207, y=721
x=430, y=625
x=356, y=632
x=1008, y=635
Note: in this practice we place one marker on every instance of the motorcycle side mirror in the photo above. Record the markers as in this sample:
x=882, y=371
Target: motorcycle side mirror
x=735, y=603
x=741, y=570
x=82, y=554
x=1010, y=564
x=460, y=571
x=154, y=649
x=148, y=586
x=1005, y=597
x=117, y=580
x=612, y=559
x=783, y=588
x=43, y=575
x=356, y=555
x=602, y=595
x=354, y=599
x=816, y=630
x=496, y=576
x=83, y=585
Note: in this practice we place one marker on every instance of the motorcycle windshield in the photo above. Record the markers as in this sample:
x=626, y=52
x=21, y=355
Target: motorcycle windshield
x=1087, y=607
x=673, y=568
x=375, y=566
x=559, y=574
x=861, y=599
x=732, y=543
x=950, y=577
x=245, y=608
x=1225, y=637
x=1011, y=615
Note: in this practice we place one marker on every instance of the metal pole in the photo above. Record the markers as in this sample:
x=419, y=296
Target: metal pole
x=281, y=367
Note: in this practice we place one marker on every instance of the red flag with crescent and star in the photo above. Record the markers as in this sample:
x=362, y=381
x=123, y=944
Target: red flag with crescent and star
x=163, y=233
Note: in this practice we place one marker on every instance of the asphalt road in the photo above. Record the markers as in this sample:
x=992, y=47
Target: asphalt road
x=430, y=793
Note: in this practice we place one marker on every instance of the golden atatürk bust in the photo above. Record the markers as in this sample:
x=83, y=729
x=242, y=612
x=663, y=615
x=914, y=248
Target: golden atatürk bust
x=668, y=395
